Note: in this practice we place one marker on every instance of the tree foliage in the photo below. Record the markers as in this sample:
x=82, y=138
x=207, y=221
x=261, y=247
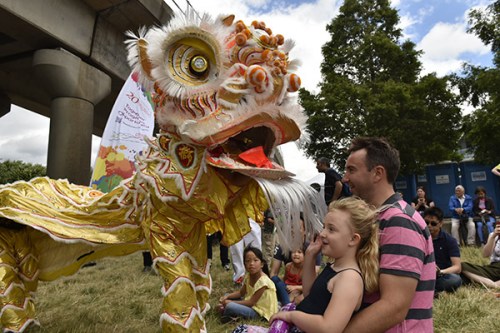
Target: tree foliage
x=480, y=87
x=371, y=86
x=11, y=171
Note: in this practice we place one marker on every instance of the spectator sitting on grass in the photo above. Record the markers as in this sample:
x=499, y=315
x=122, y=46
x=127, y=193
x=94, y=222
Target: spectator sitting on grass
x=284, y=258
x=290, y=288
x=487, y=275
x=446, y=253
x=483, y=208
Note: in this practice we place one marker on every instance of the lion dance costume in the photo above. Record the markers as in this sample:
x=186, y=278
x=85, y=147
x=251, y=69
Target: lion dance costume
x=220, y=93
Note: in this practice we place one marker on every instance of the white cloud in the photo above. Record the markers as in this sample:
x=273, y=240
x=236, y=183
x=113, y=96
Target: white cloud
x=445, y=46
x=25, y=137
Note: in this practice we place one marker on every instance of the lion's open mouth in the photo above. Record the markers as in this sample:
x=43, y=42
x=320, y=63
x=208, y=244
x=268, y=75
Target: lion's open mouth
x=250, y=150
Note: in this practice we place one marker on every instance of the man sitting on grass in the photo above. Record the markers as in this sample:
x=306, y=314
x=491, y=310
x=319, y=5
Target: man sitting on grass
x=446, y=252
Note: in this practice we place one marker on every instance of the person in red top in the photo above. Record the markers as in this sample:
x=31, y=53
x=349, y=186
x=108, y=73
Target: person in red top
x=293, y=276
x=290, y=288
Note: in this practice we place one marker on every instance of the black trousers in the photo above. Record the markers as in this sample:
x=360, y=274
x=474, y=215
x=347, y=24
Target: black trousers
x=224, y=250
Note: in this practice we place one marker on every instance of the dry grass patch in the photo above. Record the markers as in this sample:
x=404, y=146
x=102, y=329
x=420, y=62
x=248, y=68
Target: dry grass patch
x=115, y=296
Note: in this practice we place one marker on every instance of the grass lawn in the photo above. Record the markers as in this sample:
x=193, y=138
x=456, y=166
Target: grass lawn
x=115, y=296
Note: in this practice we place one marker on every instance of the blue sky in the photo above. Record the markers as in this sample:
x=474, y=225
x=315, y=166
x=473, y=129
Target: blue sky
x=437, y=27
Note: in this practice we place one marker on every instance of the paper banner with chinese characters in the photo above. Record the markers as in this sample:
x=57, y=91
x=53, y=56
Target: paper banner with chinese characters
x=131, y=118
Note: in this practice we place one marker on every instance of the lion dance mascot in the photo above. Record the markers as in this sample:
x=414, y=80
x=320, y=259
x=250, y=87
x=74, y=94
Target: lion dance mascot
x=220, y=92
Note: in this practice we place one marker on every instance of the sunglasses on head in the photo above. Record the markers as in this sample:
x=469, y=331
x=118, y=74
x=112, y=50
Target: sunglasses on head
x=434, y=224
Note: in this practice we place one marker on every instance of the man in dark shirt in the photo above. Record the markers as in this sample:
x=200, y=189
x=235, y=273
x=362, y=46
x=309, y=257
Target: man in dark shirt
x=333, y=183
x=446, y=252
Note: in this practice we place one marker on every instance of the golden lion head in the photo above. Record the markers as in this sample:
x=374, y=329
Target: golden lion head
x=223, y=85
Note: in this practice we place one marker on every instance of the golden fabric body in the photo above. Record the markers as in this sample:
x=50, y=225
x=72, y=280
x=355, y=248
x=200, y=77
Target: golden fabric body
x=149, y=210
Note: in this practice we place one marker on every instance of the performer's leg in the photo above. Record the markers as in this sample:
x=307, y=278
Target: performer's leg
x=18, y=280
x=254, y=237
x=187, y=282
x=236, y=251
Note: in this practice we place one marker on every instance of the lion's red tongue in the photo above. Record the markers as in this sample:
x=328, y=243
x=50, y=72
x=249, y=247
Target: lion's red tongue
x=256, y=157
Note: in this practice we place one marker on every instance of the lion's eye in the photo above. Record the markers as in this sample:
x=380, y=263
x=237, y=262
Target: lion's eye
x=198, y=65
x=192, y=62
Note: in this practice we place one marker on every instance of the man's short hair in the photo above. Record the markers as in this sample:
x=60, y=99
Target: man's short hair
x=434, y=211
x=378, y=152
x=324, y=160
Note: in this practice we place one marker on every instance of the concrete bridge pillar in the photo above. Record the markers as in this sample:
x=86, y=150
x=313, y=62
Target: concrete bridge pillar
x=75, y=88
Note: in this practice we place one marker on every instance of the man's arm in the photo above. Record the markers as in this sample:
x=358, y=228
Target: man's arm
x=468, y=206
x=338, y=190
x=496, y=170
x=455, y=268
x=396, y=295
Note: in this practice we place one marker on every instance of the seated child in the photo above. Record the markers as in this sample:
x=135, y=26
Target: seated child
x=291, y=289
x=257, y=296
x=350, y=237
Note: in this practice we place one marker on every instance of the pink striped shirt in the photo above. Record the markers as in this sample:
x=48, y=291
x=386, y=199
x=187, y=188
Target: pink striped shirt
x=406, y=250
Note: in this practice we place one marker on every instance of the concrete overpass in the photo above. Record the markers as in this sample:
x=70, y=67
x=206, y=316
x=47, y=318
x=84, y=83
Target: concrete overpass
x=65, y=59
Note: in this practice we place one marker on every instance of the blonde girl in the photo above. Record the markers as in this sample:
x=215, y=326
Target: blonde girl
x=350, y=238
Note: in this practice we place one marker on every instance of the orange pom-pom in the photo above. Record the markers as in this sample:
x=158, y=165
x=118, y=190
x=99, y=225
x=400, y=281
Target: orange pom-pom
x=269, y=31
x=293, y=82
x=264, y=39
x=255, y=24
x=240, y=26
x=255, y=75
x=265, y=55
x=240, y=38
x=281, y=39
x=273, y=40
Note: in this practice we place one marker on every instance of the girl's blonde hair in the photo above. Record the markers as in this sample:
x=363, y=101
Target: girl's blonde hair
x=363, y=222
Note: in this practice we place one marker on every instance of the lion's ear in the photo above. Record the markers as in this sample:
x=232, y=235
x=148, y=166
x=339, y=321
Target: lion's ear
x=228, y=20
x=144, y=61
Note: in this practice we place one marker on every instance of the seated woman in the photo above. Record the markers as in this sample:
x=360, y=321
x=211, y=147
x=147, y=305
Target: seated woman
x=488, y=275
x=483, y=209
x=421, y=202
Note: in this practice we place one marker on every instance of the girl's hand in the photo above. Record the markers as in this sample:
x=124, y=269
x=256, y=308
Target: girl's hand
x=314, y=247
x=222, y=299
x=283, y=315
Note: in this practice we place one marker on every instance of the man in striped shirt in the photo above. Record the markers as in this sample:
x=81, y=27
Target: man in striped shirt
x=407, y=267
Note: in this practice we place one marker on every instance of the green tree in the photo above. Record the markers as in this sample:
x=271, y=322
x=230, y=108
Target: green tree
x=11, y=171
x=371, y=86
x=480, y=87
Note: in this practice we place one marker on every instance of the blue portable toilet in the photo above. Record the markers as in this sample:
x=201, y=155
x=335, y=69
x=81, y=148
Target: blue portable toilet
x=441, y=180
x=474, y=175
x=406, y=185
